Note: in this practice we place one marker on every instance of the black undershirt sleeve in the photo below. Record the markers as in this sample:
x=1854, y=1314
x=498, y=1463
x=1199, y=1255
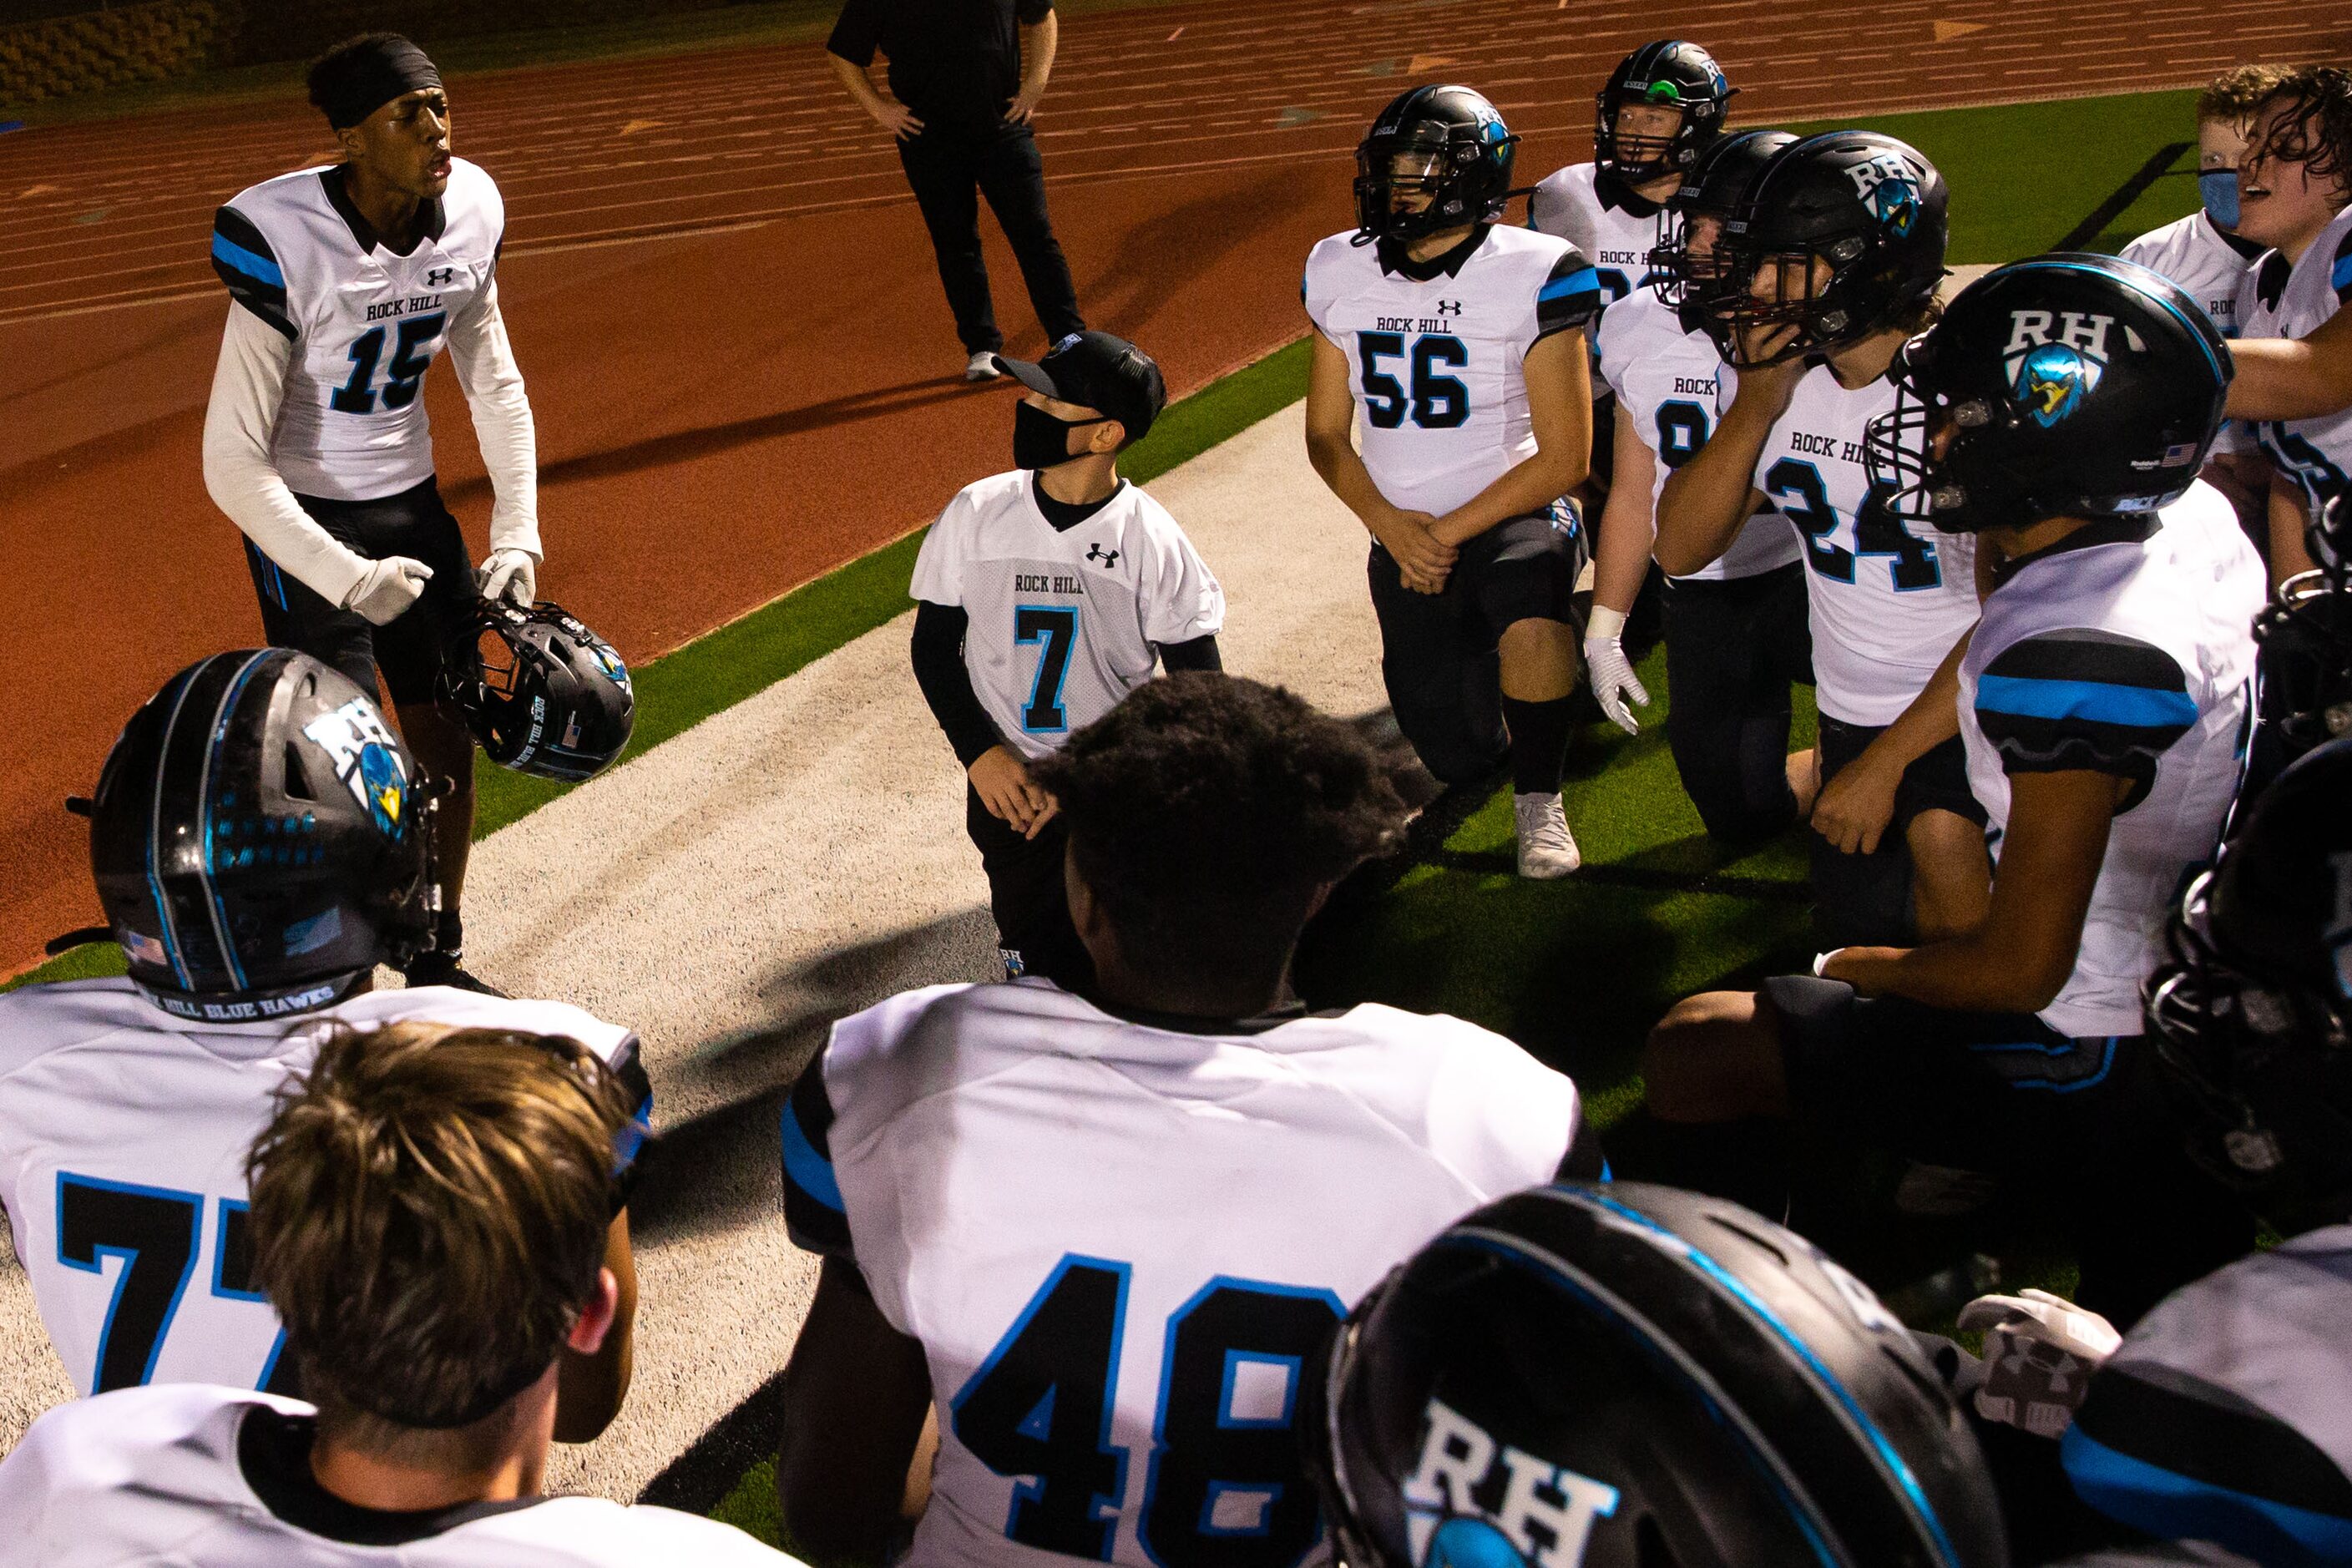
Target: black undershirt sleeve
x=1200, y=653
x=947, y=684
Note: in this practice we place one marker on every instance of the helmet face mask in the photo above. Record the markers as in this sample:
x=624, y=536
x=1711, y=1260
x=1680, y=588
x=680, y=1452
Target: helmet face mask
x=1669, y=76
x=2250, y=1010
x=1690, y=268
x=2306, y=632
x=1437, y=159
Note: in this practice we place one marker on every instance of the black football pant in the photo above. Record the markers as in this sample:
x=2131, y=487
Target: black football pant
x=1028, y=899
x=1734, y=649
x=949, y=169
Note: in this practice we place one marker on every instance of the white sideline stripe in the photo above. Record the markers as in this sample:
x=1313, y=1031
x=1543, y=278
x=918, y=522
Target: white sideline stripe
x=724, y=893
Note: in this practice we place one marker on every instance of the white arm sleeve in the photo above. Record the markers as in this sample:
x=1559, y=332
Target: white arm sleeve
x=248, y=386
x=502, y=422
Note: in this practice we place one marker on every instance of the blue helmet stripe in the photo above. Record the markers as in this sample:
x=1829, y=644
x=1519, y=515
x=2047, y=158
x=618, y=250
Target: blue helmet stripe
x=221, y=717
x=1896, y=1467
x=155, y=828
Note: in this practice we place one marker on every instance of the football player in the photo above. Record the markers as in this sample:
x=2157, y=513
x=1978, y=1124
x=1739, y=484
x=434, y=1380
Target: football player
x=1044, y=595
x=2307, y=660
x=1737, y=638
x=345, y=284
x=1098, y=1240
x=429, y=1209
x=1827, y=266
x=2296, y=198
x=2219, y=1417
x=1456, y=350
x=1627, y=1376
x=2206, y=255
x=261, y=843
x=2061, y=410
x=2304, y=137
x=1659, y=110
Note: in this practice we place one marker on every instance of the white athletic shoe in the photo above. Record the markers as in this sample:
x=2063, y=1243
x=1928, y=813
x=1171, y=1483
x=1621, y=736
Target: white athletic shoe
x=982, y=366
x=1546, y=848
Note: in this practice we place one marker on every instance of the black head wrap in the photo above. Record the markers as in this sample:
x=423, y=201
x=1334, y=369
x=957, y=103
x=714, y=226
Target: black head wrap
x=360, y=76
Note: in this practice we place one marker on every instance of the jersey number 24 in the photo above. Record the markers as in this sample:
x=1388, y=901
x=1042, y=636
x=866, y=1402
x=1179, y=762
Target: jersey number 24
x=1226, y=1488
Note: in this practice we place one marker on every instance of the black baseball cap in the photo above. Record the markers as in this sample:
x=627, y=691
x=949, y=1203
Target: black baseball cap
x=1097, y=371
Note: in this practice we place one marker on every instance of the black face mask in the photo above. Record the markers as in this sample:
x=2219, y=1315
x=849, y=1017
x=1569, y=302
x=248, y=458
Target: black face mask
x=1041, y=441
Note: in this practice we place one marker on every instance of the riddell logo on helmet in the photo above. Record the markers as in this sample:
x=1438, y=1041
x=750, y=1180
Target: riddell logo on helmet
x=1545, y=1517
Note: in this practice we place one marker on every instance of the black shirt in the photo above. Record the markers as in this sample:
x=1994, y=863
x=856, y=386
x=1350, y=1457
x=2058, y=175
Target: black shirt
x=955, y=63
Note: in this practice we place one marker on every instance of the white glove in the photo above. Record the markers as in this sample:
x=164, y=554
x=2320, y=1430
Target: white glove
x=2040, y=1351
x=509, y=573
x=1613, y=680
x=387, y=588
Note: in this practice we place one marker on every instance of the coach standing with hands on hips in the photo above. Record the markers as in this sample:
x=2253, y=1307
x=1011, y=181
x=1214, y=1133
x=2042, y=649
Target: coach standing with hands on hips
x=966, y=76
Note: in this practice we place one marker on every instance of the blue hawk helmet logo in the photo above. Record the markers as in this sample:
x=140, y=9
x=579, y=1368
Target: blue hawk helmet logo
x=383, y=789
x=1463, y=1542
x=2051, y=383
x=1895, y=205
x=610, y=663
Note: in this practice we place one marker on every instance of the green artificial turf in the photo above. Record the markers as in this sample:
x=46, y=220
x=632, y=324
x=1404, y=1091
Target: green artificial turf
x=2022, y=175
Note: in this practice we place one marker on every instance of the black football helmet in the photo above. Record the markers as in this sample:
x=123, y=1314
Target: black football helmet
x=2328, y=536
x=541, y=693
x=2251, y=1010
x=259, y=841
x=2068, y=386
x=2306, y=661
x=1683, y=275
x=1870, y=209
x=1624, y=1376
x=1667, y=74
x=1461, y=155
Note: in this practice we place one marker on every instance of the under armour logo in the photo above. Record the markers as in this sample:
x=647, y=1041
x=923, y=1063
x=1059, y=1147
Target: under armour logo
x=1449, y=307
x=439, y=276
x=1107, y=557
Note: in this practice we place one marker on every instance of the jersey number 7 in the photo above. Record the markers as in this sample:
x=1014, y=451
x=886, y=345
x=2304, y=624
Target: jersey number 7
x=155, y=1233
x=1226, y=1488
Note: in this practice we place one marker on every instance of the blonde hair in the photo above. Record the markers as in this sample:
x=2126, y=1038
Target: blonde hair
x=429, y=1214
x=2238, y=92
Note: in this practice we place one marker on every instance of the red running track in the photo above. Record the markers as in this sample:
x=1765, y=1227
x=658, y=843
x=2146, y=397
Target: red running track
x=743, y=372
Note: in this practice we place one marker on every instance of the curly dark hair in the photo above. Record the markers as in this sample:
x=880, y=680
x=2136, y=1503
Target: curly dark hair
x=1206, y=815
x=2310, y=118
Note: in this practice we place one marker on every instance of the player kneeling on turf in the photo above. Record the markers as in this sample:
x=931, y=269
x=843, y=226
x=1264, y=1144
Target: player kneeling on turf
x=2103, y=701
x=260, y=841
x=1046, y=595
x=428, y=1211
x=1098, y=1239
x=1455, y=349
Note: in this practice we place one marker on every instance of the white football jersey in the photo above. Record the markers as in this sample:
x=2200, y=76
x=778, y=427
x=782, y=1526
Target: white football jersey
x=2127, y=648
x=1062, y=624
x=1675, y=386
x=364, y=322
x=1886, y=600
x=217, y=1477
x=2210, y=268
x=1434, y=353
x=2283, y=301
x=1611, y=227
x=1120, y=1239
x=124, y=1133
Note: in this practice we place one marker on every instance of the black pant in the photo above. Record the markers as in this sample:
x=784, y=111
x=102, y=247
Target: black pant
x=1865, y=900
x=949, y=169
x=410, y=650
x=1734, y=649
x=1439, y=652
x=1028, y=899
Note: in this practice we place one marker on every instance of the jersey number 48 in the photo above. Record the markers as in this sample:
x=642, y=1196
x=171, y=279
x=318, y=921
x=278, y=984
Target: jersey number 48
x=1225, y=1490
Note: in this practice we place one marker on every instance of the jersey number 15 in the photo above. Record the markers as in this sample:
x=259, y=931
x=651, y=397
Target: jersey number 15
x=411, y=350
